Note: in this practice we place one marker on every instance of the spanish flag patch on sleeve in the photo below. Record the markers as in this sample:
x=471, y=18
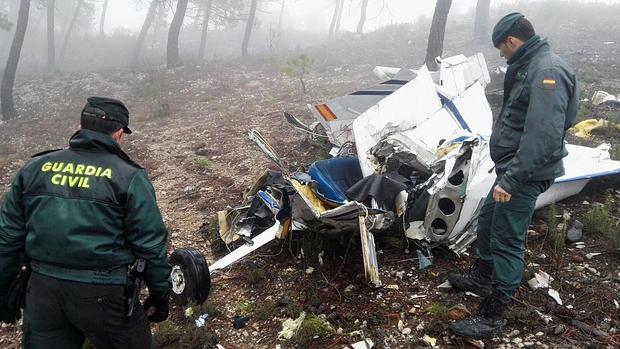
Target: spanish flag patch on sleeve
x=549, y=81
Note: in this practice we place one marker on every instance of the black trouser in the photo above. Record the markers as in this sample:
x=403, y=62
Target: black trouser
x=61, y=314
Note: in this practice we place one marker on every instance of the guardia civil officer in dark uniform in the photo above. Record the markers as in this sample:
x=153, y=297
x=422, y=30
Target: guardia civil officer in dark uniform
x=527, y=147
x=83, y=215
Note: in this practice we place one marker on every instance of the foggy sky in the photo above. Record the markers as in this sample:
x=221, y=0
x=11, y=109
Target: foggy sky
x=314, y=15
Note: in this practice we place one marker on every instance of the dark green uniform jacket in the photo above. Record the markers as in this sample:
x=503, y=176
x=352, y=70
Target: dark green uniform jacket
x=541, y=99
x=84, y=214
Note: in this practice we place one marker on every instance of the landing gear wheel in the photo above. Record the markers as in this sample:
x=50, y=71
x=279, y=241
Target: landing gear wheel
x=191, y=281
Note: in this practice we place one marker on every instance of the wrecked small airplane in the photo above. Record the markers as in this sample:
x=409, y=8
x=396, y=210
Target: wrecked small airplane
x=411, y=152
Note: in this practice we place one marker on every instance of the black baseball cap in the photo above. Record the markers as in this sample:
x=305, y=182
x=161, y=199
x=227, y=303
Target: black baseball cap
x=108, y=108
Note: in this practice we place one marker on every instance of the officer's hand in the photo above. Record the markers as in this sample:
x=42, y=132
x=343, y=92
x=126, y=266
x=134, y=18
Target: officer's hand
x=161, y=309
x=8, y=316
x=500, y=195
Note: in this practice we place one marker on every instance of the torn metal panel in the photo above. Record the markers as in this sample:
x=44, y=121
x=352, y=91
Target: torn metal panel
x=458, y=73
x=396, y=151
x=455, y=76
x=396, y=113
x=369, y=254
x=265, y=147
x=242, y=251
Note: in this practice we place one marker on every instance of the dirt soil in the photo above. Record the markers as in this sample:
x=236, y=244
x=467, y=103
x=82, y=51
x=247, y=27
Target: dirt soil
x=190, y=133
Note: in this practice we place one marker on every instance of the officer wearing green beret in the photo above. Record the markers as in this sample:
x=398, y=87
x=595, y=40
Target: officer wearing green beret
x=527, y=146
x=82, y=216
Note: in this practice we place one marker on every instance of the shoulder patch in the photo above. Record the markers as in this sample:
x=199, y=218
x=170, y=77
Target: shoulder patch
x=46, y=152
x=548, y=79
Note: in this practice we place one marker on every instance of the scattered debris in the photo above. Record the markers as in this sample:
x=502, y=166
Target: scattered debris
x=367, y=343
x=445, y=286
x=602, y=97
x=349, y=289
x=239, y=322
x=430, y=340
x=201, y=320
x=580, y=245
x=575, y=232
x=555, y=295
x=540, y=280
x=584, y=128
x=544, y=317
x=290, y=326
x=424, y=261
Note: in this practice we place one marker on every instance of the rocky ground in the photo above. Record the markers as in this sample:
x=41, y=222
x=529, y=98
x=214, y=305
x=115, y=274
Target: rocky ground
x=190, y=133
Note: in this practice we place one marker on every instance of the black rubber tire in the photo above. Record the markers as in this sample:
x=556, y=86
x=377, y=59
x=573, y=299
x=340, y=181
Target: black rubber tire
x=195, y=273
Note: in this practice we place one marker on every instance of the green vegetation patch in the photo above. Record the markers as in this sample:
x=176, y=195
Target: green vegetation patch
x=311, y=328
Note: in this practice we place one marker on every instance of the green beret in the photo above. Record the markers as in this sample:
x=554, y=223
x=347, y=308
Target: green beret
x=501, y=29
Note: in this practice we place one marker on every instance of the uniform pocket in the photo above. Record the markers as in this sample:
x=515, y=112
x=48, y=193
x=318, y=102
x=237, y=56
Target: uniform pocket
x=509, y=137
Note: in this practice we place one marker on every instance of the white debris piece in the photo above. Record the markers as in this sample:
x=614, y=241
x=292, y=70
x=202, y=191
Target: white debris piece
x=601, y=97
x=544, y=317
x=445, y=285
x=290, y=326
x=555, y=295
x=365, y=344
x=592, y=255
x=430, y=340
x=540, y=280
x=202, y=319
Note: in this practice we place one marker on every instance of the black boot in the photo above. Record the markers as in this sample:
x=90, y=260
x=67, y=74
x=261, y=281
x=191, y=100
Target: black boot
x=488, y=323
x=478, y=279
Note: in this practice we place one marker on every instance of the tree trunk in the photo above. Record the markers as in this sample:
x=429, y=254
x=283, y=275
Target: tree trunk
x=148, y=20
x=159, y=23
x=339, y=18
x=172, y=46
x=281, y=16
x=332, y=25
x=63, y=49
x=51, y=41
x=102, y=22
x=438, y=31
x=205, y=25
x=360, y=24
x=481, y=24
x=8, y=79
x=248, y=29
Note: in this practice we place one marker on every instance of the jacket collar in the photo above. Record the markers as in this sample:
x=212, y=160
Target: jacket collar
x=528, y=50
x=91, y=140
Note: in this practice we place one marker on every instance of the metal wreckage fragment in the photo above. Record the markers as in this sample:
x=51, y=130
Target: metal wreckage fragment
x=411, y=152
